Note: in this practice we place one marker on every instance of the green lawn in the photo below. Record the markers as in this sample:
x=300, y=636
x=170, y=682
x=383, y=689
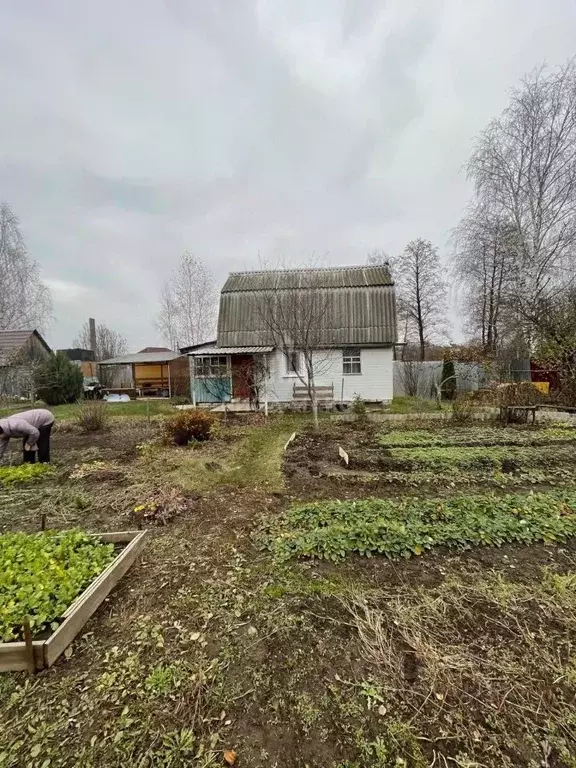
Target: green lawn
x=407, y=404
x=135, y=408
x=255, y=459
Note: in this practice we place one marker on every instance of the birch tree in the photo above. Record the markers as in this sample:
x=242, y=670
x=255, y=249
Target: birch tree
x=484, y=264
x=25, y=300
x=188, y=304
x=524, y=167
x=421, y=292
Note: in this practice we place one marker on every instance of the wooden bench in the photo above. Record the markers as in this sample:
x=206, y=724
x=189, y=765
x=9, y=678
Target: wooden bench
x=507, y=410
x=324, y=394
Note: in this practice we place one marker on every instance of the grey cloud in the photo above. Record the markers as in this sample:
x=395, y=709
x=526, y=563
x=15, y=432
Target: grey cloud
x=254, y=128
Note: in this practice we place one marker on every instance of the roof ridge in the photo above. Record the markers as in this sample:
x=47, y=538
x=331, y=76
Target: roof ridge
x=309, y=269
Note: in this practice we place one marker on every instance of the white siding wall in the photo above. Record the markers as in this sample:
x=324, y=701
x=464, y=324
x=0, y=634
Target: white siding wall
x=374, y=383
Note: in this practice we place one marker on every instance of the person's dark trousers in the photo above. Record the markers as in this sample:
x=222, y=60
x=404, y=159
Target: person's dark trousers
x=43, y=447
x=44, y=444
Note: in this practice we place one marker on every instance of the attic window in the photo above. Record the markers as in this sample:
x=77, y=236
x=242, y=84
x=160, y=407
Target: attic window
x=351, y=360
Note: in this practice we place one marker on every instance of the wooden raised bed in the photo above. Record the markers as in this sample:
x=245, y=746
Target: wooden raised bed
x=41, y=654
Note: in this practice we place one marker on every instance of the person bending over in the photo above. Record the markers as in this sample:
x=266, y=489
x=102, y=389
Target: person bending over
x=34, y=427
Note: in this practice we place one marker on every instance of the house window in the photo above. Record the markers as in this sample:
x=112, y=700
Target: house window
x=292, y=361
x=211, y=367
x=351, y=362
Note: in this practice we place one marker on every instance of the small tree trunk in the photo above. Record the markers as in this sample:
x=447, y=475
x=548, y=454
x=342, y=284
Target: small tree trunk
x=315, y=409
x=438, y=388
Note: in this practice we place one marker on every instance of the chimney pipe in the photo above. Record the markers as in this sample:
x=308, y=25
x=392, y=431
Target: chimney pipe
x=92, y=326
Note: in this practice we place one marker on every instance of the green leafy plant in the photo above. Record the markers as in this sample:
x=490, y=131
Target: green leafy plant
x=41, y=574
x=440, y=457
x=359, y=408
x=58, y=380
x=404, y=527
x=480, y=436
x=23, y=473
x=185, y=426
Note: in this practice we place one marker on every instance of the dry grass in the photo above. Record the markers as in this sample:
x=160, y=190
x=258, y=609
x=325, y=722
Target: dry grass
x=479, y=661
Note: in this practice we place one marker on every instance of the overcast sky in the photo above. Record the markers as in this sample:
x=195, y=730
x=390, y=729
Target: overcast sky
x=131, y=130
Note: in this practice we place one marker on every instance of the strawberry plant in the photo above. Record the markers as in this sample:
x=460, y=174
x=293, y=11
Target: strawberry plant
x=446, y=457
x=41, y=574
x=23, y=473
x=487, y=436
x=404, y=527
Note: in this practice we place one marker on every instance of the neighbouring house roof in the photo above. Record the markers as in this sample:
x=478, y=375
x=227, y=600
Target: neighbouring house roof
x=11, y=342
x=214, y=350
x=155, y=349
x=142, y=357
x=78, y=354
x=359, y=309
x=194, y=347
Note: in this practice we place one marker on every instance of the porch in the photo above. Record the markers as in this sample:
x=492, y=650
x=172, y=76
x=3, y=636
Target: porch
x=220, y=375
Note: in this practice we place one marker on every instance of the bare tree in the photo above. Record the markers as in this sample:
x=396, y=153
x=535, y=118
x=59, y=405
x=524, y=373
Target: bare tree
x=188, y=304
x=524, y=167
x=25, y=301
x=411, y=374
x=109, y=343
x=483, y=260
x=295, y=321
x=420, y=292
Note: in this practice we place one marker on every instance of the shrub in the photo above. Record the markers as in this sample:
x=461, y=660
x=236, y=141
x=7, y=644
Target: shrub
x=194, y=424
x=463, y=409
x=522, y=393
x=448, y=380
x=58, y=380
x=180, y=400
x=359, y=408
x=93, y=416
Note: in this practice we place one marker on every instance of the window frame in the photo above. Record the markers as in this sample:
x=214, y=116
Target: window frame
x=205, y=367
x=291, y=355
x=351, y=358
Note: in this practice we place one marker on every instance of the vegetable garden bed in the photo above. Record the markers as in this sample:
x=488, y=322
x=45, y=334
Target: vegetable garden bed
x=41, y=653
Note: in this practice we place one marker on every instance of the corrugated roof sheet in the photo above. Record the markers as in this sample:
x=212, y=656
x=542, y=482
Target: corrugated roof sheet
x=358, y=305
x=142, y=357
x=229, y=351
x=331, y=277
x=11, y=342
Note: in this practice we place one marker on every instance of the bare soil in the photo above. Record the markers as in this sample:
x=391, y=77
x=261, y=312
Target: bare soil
x=269, y=656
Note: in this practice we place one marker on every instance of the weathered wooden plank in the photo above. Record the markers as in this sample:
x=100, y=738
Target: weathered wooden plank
x=14, y=656
x=118, y=537
x=81, y=610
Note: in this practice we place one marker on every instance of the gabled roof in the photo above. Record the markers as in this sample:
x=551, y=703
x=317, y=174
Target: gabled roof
x=11, y=342
x=327, y=277
x=359, y=306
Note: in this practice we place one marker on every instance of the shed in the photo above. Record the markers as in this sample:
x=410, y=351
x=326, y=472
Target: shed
x=19, y=350
x=159, y=373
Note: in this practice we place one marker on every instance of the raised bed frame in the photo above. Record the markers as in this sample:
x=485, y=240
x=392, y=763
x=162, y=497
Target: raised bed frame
x=41, y=654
